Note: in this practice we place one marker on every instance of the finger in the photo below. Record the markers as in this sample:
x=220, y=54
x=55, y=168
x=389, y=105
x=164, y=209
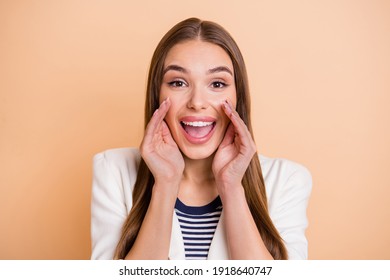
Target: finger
x=166, y=134
x=242, y=137
x=229, y=136
x=239, y=126
x=155, y=122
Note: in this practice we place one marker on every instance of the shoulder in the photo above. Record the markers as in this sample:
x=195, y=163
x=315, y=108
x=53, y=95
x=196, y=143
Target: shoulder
x=119, y=157
x=114, y=175
x=117, y=166
x=285, y=178
x=282, y=169
x=288, y=185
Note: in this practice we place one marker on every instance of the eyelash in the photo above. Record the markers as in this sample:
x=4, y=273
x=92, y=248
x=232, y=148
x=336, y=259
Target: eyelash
x=176, y=82
x=221, y=84
x=217, y=84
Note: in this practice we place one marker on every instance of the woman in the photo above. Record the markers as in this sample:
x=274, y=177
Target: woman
x=195, y=188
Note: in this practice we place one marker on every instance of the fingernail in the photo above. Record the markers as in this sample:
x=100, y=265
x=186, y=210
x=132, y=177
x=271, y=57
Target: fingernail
x=225, y=104
x=230, y=104
x=155, y=112
x=165, y=101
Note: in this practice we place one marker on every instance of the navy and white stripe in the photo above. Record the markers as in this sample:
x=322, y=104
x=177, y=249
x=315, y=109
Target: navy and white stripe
x=198, y=224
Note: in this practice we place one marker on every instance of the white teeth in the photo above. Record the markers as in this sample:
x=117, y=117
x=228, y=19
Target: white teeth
x=198, y=124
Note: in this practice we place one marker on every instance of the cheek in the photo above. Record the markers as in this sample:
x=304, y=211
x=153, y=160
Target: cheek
x=233, y=99
x=225, y=120
x=218, y=107
x=171, y=116
x=230, y=95
x=163, y=96
x=174, y=97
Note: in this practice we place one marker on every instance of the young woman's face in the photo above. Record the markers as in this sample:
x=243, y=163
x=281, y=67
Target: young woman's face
x=198, y=77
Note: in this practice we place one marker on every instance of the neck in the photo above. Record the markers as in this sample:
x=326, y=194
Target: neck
x=197, y=187
x=198, y=171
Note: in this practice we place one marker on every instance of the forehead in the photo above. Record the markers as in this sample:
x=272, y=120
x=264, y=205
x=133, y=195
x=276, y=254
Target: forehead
x=197, y=53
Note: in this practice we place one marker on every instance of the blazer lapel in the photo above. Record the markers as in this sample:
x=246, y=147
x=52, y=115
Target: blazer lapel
x=218, y=248
x=176, y=249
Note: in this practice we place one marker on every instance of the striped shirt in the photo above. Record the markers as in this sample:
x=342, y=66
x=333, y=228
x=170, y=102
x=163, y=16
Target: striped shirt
x=198, y=224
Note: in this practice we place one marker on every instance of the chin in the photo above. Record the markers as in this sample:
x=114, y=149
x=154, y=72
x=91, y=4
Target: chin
x=198, y=153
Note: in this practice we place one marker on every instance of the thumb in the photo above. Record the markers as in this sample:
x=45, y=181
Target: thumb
x=229, y=136
x=166, y=133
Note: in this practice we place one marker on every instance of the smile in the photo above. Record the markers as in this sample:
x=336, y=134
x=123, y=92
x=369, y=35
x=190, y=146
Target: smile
x=197, y=131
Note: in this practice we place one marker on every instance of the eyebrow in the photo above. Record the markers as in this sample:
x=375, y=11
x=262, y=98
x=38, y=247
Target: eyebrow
x=178, y=68
x=220, y=69
x=174, y=68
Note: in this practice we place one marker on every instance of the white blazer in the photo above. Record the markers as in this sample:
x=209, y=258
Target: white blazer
x=288, y=187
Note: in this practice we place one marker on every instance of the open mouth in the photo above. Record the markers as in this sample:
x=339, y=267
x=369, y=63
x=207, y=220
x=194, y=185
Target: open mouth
x=198, y=129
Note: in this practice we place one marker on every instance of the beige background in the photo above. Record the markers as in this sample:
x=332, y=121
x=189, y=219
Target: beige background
x=72, y=79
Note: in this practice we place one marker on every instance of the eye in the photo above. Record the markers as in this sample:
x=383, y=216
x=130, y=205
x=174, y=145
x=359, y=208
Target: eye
x=218, y=84
x=177, y=83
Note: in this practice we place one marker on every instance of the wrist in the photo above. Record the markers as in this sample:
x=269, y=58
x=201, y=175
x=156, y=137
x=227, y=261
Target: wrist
x=224, y=181
x=165, y=191
x=228, y=191
x=169, y=180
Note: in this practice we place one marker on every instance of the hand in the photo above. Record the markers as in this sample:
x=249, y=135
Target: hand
x=235, y=151
x=159, y=150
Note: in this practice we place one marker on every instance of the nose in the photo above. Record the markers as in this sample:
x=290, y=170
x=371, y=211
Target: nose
x=197, y=99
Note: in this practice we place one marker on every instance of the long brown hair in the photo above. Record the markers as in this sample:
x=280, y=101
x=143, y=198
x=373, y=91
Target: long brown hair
x=252, y=181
